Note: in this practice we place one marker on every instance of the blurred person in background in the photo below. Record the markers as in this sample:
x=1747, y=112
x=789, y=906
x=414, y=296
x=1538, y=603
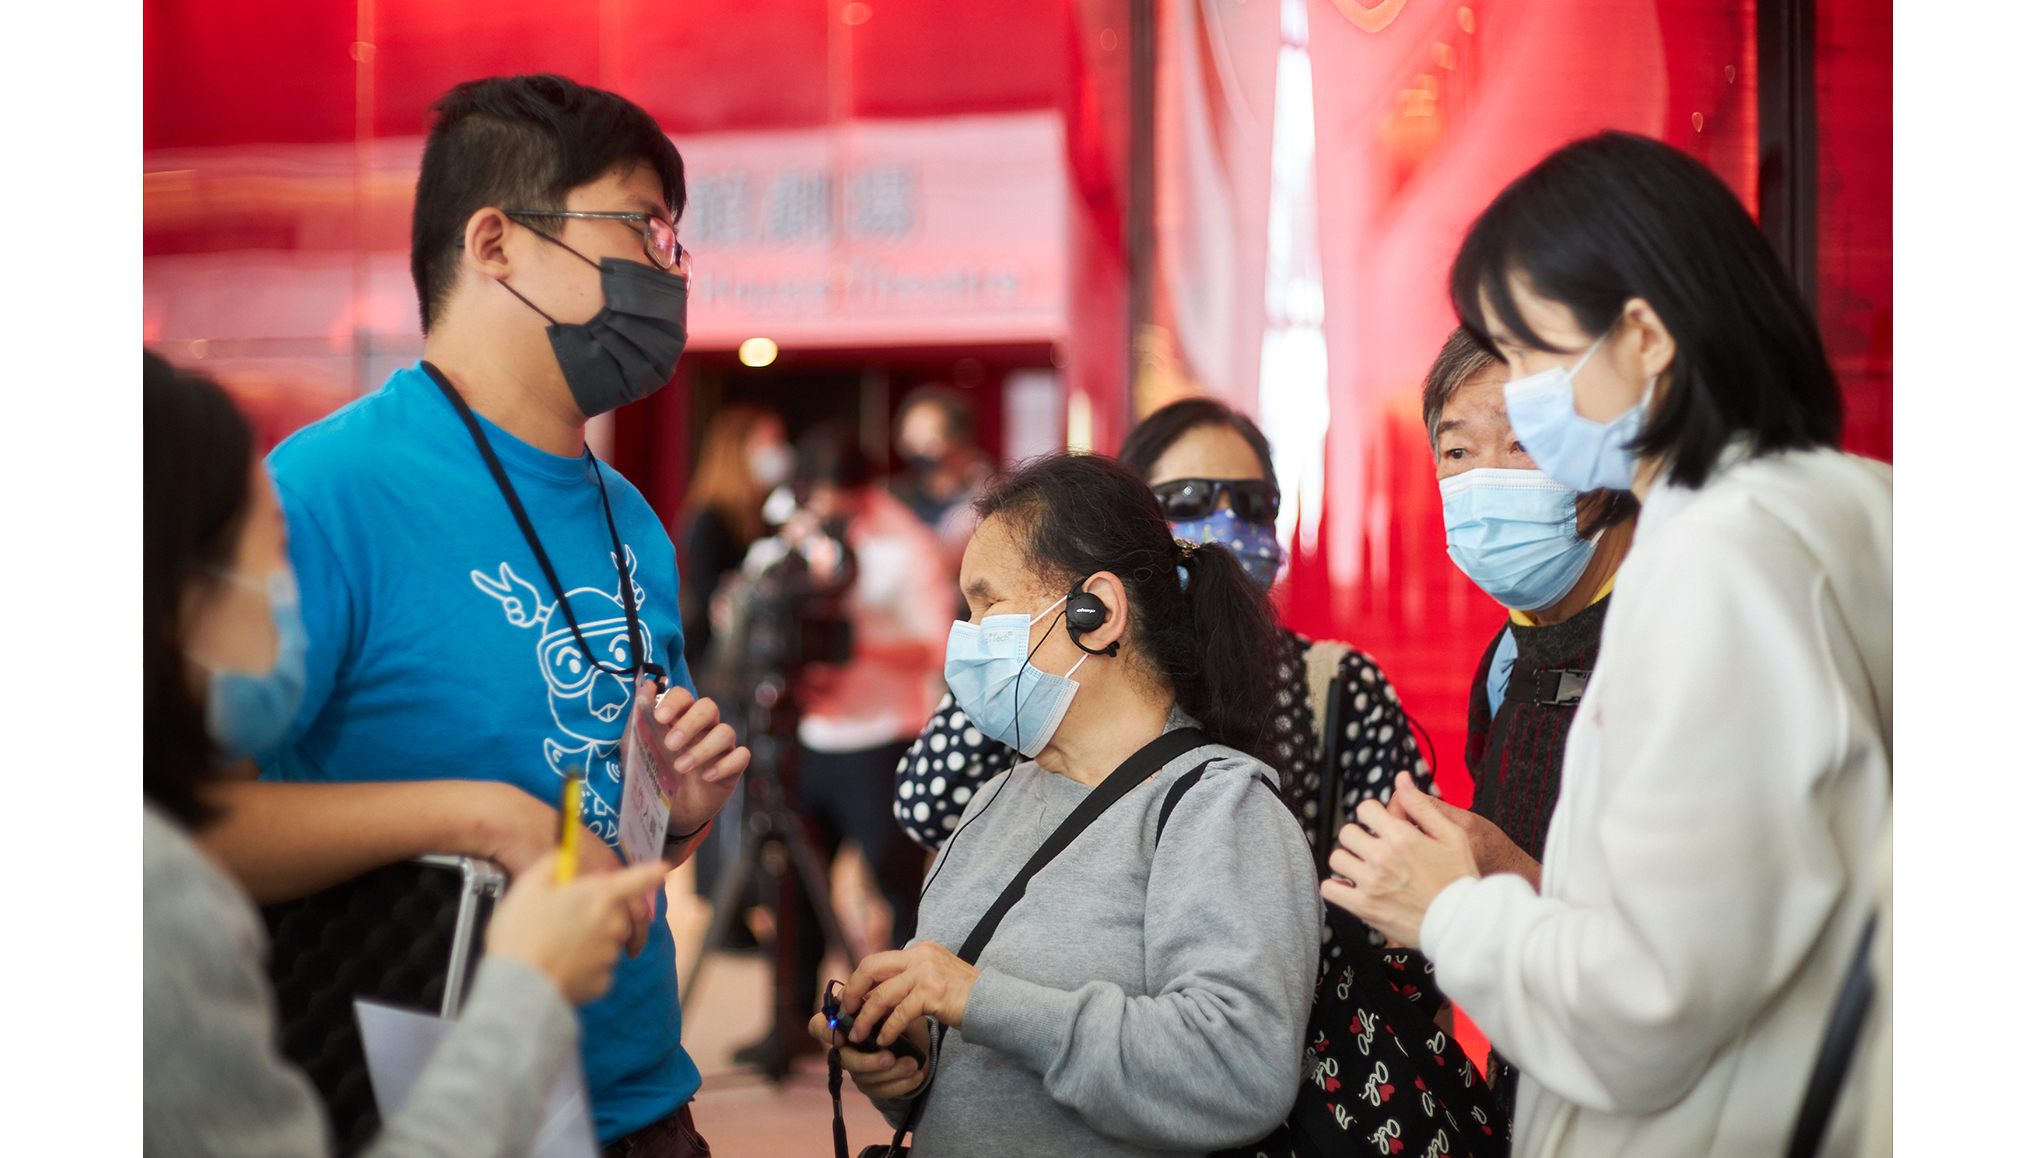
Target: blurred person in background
x=1212, y=472
x=1148, y=992
x=1710, y=867
x=480, y=593
x=857, y=719
x=743, y=458
x=222, y=674
x=1549, y=556
x=946, y=470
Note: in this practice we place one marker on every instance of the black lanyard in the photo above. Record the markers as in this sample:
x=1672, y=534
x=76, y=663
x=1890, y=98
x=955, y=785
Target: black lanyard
x=637, y=664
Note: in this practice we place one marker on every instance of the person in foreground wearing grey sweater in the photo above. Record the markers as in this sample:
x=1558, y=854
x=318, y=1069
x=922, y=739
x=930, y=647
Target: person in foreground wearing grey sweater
x=1149, y=992
x=222, y=667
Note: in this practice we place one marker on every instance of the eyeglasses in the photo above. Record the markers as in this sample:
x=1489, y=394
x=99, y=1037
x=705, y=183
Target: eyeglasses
x=660, y=238
x=1252, y=499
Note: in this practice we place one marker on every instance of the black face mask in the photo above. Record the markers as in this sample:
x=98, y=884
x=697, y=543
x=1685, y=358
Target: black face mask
x=629, y=349
x=921, y=465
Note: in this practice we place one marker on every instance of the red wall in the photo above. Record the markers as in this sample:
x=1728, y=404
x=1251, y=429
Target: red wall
x=1521, y=77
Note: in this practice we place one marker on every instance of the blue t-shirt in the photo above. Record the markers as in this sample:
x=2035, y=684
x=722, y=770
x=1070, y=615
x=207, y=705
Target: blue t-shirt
x=437, y=651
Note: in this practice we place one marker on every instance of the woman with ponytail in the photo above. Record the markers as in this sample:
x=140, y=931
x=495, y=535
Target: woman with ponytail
x=1335, y=729
x=1144, y=990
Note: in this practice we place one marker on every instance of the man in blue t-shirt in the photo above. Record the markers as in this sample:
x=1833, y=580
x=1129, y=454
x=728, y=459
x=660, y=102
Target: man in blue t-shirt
x=481, y=594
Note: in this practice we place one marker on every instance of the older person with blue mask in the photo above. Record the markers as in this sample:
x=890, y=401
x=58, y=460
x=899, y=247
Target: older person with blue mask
x=1549, y=556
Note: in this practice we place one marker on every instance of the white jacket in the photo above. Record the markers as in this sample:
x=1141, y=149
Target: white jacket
x=1708, y=866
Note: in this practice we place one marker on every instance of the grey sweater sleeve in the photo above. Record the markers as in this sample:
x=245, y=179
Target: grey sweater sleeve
x=1231, y=943
x=214, y=1082
x=484, y=1090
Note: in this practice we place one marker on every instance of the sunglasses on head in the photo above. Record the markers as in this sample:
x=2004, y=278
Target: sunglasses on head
x=1254, y=500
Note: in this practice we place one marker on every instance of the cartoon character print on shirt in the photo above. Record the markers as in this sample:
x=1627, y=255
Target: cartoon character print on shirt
x=588, y=705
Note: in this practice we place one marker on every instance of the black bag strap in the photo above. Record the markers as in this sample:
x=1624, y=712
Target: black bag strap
x=1174, y=794
x=1130, y=774
x=1841, y=1041
x=1554, y=687
x=1189, y=780
x=1329, y=798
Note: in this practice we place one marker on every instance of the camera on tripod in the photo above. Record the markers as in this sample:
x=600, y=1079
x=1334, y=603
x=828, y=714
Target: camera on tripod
x=786, y=609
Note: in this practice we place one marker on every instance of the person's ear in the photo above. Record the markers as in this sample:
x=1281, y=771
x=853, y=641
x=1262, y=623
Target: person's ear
x=1656, y=344
x=485, y=244
x=1117, y=603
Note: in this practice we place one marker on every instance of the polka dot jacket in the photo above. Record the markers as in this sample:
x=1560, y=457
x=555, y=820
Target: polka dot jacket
x=951, y=759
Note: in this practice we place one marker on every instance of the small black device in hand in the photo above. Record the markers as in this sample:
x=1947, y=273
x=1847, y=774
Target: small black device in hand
x=830, y=1007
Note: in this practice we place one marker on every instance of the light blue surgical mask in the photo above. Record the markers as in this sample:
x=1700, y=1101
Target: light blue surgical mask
x=1576, y=452
x=247, y=714
x=1256, y=545
x=1514, y=533
x=990, y=673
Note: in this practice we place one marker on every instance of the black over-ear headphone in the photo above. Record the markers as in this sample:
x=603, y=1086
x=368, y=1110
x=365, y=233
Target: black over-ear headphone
x=1085, y=613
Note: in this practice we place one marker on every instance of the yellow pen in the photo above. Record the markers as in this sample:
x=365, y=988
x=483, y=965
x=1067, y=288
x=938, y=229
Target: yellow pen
x=569, y=826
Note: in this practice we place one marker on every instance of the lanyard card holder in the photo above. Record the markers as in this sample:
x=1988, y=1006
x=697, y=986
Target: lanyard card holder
x=407, y=934
x=649, y=782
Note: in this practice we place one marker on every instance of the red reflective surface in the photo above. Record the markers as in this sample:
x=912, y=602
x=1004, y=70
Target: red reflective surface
x=1419, y=122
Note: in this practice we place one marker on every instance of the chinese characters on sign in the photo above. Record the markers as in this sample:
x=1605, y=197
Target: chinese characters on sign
x=896, y=232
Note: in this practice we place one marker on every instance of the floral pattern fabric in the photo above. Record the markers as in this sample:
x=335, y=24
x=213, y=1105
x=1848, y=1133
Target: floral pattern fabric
x=1381, y=1077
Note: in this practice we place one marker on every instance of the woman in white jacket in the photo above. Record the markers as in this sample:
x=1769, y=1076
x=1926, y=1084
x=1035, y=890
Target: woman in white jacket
x=1708, y=868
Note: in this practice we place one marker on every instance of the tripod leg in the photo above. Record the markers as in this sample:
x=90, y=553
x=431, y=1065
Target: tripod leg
x=727, y=901
x=813, y=876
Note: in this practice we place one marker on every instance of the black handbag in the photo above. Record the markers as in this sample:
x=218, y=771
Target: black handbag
x=407, y=934
x=1130, y=774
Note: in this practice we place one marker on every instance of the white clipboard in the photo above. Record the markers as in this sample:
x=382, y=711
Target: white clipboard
x=399, y=1043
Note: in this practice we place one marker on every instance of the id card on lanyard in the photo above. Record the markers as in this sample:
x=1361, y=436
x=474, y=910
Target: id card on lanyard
x=649, y=782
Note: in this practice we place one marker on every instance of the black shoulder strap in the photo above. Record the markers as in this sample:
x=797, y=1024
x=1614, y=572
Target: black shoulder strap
x=1174, y=794
x=1192, y=778
x=1834, y=1057
x=1329, y=795
x=1129, y=775
x=1554, y=687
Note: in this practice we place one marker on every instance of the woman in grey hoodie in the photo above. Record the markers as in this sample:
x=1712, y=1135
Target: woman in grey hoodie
x=1148, y=993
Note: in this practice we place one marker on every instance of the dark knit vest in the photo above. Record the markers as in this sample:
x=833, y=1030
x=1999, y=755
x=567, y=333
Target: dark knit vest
x=1516, y=758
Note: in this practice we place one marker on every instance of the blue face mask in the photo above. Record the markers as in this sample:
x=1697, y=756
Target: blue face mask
x=1256, y=545
x=1514, y=533
x=248, y=714
x=1008, y=699
x=1576, y=452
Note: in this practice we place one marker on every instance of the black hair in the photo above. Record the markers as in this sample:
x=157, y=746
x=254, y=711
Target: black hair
x=521, y=142
x=1460, y=360
x=197, y=448
x=1617, y=216
x=1163, y=427
x=1214, y=642
x=829, y=453
x=956, y=415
